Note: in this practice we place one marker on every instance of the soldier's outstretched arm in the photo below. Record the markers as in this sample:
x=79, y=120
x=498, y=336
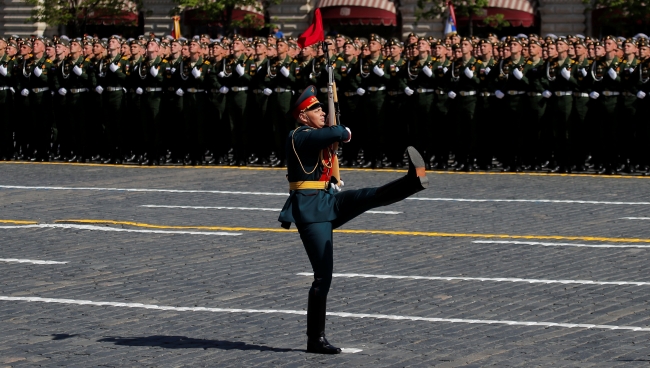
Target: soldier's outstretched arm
x=317, y=139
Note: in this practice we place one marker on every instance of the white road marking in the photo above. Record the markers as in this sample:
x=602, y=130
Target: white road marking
x=33, y=261
x=525, y=201
x=350, y=350
x=284, y=194
x=561, y=244
x=248, y=209
x=498, y=279
x=334, y=314
x=634, y=218
x=107, y=228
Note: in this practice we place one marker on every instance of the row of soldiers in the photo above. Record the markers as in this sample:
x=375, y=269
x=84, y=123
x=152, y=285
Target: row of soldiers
x=556, y=103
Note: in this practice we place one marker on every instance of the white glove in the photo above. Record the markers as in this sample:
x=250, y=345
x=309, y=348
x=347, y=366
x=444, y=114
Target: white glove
x=113, y=67
x=583, y=71
x=612, y=73
x=3, y=70
x=224, y=90
x=427, y=71
x=180, y=92
x=62, y=91
x=240, y=70
x=640, y=95
x=397, y=69
x=220, y=75
x=499, y=94
x=547, y=94
x=518, y=74
x=25, y=92
x=38, y=71
x=408, y=91
x=377, y=70
x=153, y=71
x=444, y=70
x=594, y=95
x=335, y=187
x=487, y=70
x=361, y=91
x=12, y=90
x=77, y=70
x=267, y=91
x=469, y=73
x=138, y=91
x=284, y=72
x=173, y=70
x=341, y=183
x=99, y=89
x=349, y=139
x=451, y=94
x=565, y=73
x=196, y=73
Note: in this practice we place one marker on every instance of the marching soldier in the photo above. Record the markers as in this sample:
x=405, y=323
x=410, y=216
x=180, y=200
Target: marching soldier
x=347, y=92
x=534, y=106
x=627, y=105
x=173, y=105
x=281, y=71
x=485, y=102
x=394, y=103
x=257, y=106
x=439, y=128
x=6, y=100
x=584, y=136
x=373, y=75
x=464, y=81
x=235, y=79
x=643, y=108
x=133, y=102
x=217, y=127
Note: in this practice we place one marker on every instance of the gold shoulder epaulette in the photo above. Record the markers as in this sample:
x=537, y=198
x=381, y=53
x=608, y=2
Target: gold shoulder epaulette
x=164, y=61
x=125, y=58
x=88, y=59
x=206, y=62
x=479, y=62
x=48, y=60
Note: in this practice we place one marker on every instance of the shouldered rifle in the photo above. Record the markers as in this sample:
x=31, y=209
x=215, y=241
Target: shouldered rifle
x=333, y=112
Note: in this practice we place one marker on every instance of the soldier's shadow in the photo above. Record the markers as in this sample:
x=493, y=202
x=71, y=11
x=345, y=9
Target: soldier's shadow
x=183, y=342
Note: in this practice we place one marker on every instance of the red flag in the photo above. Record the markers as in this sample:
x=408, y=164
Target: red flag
x=314, y=33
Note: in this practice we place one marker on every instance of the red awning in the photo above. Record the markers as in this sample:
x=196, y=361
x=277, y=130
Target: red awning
x=196, y=17
x=516, y=18
x=128, y=15
x=355, y=12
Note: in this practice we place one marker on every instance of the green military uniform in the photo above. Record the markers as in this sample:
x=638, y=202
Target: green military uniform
x=6, y=105
x=38, y=99
x=420, y=96
x=151, y=75
x=110, y=80
x=463, y=82
x=317, y=208
x=21, y=103
x=394, y=108
x=584, y=131
x=173, y=110
x=643, y=110
x=561, y=82
x=74, y=89
x=131, y=132
x=238, y=87
x=257, y=120
x=534, y=110
x=217, y=125
x=438, y=127
x=348, y=102
x=485, y=111
x=280, y=100
x=193, y=106
x=373, y=76
x=627, y=106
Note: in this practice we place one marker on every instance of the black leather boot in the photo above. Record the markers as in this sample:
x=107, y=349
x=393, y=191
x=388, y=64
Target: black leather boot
x=316, y=341
x=414, y=181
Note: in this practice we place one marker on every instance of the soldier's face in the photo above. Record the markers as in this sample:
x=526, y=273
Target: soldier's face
x=515, y=48
x=572, y=50
x=306, y=52
x=395, y=51
x=237, y=46
x=60, y=49
x=313, y=118
x=194, y=48
x=135, y=49
x=561, y=47
x=24, y=49
x=466, y=47
x=600, y=51
x=552, y=50
x=423, y=46
x=88, y=50
x=50, y=52
x=11, y=50
x=340, y=41
x=580, y=50
x=534, y=49
x=39, y=46
x=260, y=49
x=374, y=46
x=441, y=50
x=282, y=47
x=486, y=49
x=629, y=48
x=75, y=47
x=610, y=45
x=458, y=53
x=349, y=50
x=644, y=51
x=98, y=49
x=176, y=48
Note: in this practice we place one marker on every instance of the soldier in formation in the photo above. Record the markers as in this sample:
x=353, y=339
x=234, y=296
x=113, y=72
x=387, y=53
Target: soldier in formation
x=519, y=103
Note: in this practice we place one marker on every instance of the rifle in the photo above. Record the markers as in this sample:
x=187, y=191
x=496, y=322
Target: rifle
x=333, y=112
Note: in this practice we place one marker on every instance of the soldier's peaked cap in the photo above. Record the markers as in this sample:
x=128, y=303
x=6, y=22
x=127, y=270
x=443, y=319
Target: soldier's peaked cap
x=306, y=101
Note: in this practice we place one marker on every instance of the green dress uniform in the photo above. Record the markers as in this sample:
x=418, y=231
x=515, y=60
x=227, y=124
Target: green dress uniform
x=131, y=132
x=217, y=125
x=627, y=106
x=583, y=130
x=562, y=82
x=236, y=98
x=643, y=110
x=463, y=84
x=193, y=106
x=38, y=99
x=606, y=82
x=373, y=78
x=348, y=103
x=110, y=75
x=534, y=109
x=258, y=129
x=514, y=98
x=6, y=106
x=317, y=208
x=438, y=145
x=394, y=109
x=21, y=107
x=151, y=73
x=172, y=108
x=71, y=90
x=420, y=101
x=280, y=101
x=485, y=113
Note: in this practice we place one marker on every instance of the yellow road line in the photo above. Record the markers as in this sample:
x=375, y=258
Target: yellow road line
x=342, y=169
x=365, y=232
x=18, y=222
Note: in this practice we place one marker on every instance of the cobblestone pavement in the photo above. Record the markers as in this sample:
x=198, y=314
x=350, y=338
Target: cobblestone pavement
x=254, y=297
